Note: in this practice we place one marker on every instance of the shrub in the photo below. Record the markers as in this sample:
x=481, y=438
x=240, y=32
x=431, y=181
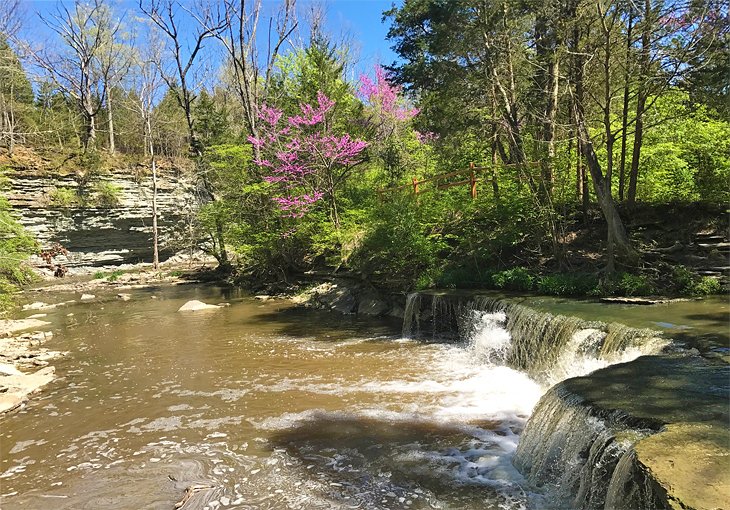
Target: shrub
x=114, y=275
x=107, y=194
x=98, y=275
x=64, y=197
x=687, y=282
x=635, y=285
x=517, y=278
x=705, y=286
x=567, y=284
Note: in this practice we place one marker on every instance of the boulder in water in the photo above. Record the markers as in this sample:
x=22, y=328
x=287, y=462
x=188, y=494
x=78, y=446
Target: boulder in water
x=123, y=296
x=195, y=305
x=87, y=297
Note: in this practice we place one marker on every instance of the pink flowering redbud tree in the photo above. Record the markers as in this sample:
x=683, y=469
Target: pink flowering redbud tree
x=388, y=120
x=304, y=158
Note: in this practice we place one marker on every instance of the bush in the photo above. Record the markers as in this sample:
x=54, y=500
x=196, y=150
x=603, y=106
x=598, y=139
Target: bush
x=114, y=275
x=98, y=275
x=687, y=282
x=464, y=277
x=16, y=245
x=705, y=286
x=64, y=197
x=517, y=278
x=567, y=284
x=107, y=194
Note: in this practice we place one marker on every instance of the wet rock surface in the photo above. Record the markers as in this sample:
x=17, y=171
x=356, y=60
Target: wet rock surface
x=20, y=357
x=348, y=297
x=653, y=432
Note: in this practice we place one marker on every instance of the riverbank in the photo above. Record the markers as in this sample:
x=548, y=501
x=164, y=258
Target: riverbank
x=25, y=362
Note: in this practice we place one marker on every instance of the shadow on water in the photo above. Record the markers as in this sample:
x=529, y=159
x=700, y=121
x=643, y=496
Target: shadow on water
x=382, y=464
x=326, y=326
x=720, y=319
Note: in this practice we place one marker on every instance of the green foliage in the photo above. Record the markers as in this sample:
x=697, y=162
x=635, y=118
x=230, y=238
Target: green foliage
x=64, y=197
x=517, y=278
x=210, y=120
x=114, y=275
x=567, y=284
x=402, y=244
x=16, y=245
x=689, y=283
x=626, y=284
x=107, y=194
x=98, y=275
x=687, y=157
x=705, y=286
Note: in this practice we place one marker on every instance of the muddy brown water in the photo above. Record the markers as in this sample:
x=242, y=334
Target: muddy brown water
x=276, y=407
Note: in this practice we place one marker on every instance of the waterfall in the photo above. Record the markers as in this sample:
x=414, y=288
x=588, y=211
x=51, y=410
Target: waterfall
x=549, y=348
x=581, y=454
x=576, y=449
x=412, y=315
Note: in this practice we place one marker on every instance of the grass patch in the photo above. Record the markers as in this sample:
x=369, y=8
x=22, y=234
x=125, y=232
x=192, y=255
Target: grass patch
x=114, y=275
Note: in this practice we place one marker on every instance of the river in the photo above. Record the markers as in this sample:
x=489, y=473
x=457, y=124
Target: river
x=273, y=406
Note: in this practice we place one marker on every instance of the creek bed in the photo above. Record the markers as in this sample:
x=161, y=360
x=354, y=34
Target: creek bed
x=273, y=407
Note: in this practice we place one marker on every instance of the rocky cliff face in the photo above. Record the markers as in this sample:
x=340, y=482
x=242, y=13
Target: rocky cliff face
x=110, y=235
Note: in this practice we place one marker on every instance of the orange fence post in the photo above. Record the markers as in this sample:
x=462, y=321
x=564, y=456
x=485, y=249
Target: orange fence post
x=472, y=182
x=415, y=186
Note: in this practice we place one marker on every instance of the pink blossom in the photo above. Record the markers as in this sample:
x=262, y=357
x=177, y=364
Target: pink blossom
x=299, y=153
x=426, y=137
x=383, y=96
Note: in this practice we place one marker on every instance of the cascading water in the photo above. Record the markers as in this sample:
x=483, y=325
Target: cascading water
x=565, y=449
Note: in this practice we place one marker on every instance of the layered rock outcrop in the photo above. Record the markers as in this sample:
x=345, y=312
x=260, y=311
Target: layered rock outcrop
x=119, y=233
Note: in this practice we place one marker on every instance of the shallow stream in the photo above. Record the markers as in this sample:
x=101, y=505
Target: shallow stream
x=275, y=407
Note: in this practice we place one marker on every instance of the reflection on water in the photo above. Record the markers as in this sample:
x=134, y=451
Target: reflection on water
x=276, y=407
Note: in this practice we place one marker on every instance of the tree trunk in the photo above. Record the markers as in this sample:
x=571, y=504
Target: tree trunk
x=112, y=145
x=153, y=162
x=495, y=141
x=618, y=242
x=625, y=112
x=550, y=115
x=640, y=102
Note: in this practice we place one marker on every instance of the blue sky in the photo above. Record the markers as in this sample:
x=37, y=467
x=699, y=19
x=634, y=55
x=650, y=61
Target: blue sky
x=359, y=21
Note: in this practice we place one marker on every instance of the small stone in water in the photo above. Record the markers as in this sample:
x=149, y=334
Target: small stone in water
x=225, y=501
x=255, y=471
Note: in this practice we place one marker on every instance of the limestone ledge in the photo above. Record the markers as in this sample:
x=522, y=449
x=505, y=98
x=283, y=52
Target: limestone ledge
x=20, y=358
x=98, y=236
x=672, y=413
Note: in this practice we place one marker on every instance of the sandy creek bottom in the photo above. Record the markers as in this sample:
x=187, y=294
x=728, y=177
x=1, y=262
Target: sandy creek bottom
x=278, y=407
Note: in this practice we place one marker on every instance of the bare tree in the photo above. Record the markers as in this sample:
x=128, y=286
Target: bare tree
x=147, y=82
x=84, y=30
x=114, y=61
x=165, y=14
x=10, y=17
x=251, y=71
x=181, y=80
